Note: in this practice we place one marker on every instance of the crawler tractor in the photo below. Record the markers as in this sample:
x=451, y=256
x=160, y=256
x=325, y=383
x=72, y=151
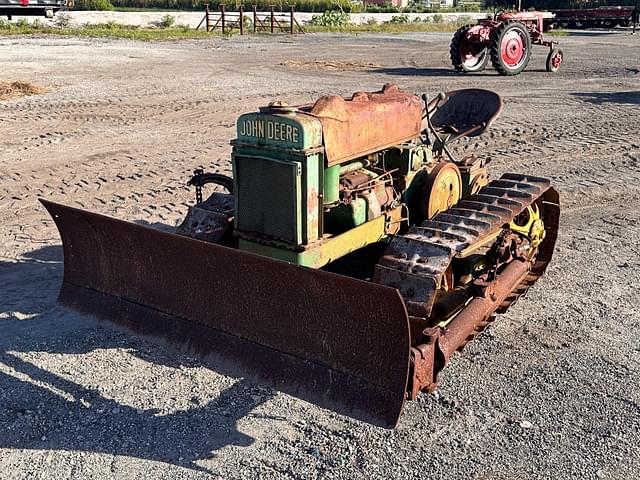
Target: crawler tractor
x=347, y=259
x=507, y=39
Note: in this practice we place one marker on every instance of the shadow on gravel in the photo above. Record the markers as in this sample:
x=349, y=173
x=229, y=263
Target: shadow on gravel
x=595, y=32
x=44, y=411
x=421, y=71
x=629, y=98
x=440, y=72
x=157, y=225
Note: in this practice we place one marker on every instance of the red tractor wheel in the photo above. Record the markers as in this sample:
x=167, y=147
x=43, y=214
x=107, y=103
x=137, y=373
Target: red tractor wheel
x=510, y=48
x=467, y=53
x=554, y=60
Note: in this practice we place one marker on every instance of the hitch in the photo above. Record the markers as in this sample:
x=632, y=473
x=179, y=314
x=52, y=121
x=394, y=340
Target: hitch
x=200, y=179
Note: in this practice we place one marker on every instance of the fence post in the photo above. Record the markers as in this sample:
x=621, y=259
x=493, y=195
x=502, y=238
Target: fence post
x=272, y=18
x=241, y=19
x=222, y=15
x=206, y=15
x=255, y=17
x=291, y=9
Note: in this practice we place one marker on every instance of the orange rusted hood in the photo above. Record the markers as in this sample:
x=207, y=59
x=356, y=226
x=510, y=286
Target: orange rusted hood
x=368, y=122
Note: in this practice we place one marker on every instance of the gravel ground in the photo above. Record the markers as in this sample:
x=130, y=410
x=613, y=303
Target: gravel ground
x=549, y=391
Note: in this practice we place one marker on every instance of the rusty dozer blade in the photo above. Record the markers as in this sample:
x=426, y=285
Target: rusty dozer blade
x=335, y=341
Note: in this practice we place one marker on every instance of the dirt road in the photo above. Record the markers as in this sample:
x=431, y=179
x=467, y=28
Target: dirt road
x=551, y=390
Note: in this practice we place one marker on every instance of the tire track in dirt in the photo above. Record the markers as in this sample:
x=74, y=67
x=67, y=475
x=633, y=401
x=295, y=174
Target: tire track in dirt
x=562, y=358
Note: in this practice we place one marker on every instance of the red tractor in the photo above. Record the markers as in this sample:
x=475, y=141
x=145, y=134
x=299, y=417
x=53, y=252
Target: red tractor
x=506, y=38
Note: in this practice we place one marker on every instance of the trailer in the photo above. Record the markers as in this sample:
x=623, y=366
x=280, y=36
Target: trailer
x=32, y=8
x=600, y=17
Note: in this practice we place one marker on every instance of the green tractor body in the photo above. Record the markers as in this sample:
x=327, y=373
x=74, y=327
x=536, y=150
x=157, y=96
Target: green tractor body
x=349, y=257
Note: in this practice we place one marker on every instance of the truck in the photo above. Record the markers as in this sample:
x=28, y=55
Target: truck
x=32, y=8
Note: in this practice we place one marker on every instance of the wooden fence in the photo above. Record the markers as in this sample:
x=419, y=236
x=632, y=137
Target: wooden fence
x=272, y=21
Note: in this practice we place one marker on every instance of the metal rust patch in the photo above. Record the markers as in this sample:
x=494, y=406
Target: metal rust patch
x=336, y=341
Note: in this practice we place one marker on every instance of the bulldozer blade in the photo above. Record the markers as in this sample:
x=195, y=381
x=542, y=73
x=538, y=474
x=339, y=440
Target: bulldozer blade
x=335, y=341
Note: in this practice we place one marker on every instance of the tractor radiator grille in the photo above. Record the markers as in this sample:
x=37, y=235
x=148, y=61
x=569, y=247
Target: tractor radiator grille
x=268, y=199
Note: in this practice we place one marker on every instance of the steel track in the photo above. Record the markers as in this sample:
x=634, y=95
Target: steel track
x=415, y=263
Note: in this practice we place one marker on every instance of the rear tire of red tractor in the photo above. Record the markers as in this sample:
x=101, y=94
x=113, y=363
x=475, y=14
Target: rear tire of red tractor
x=510, y=48
x=554, y=60
x=466, y=54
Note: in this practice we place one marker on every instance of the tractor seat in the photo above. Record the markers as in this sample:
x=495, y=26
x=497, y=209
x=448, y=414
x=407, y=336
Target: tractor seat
x=469, y=110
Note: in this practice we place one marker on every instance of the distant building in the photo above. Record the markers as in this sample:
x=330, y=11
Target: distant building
x=424, y=3
x=438, y=3
x=395, y=3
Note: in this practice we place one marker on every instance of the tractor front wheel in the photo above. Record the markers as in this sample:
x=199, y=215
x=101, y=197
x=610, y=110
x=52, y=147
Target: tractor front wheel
x=468, y=54
x=554, y=60
x=510, y=48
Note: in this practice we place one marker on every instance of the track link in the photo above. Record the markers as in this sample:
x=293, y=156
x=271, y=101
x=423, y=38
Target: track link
x=415, y=263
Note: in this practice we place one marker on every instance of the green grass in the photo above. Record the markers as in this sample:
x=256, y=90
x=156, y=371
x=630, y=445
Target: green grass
x=112, y=31
x=115, y=30
x=557, y=33
x=386, y=28
x=155, y=10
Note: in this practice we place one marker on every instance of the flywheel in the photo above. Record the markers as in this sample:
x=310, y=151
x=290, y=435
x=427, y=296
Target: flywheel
x=442, y=190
